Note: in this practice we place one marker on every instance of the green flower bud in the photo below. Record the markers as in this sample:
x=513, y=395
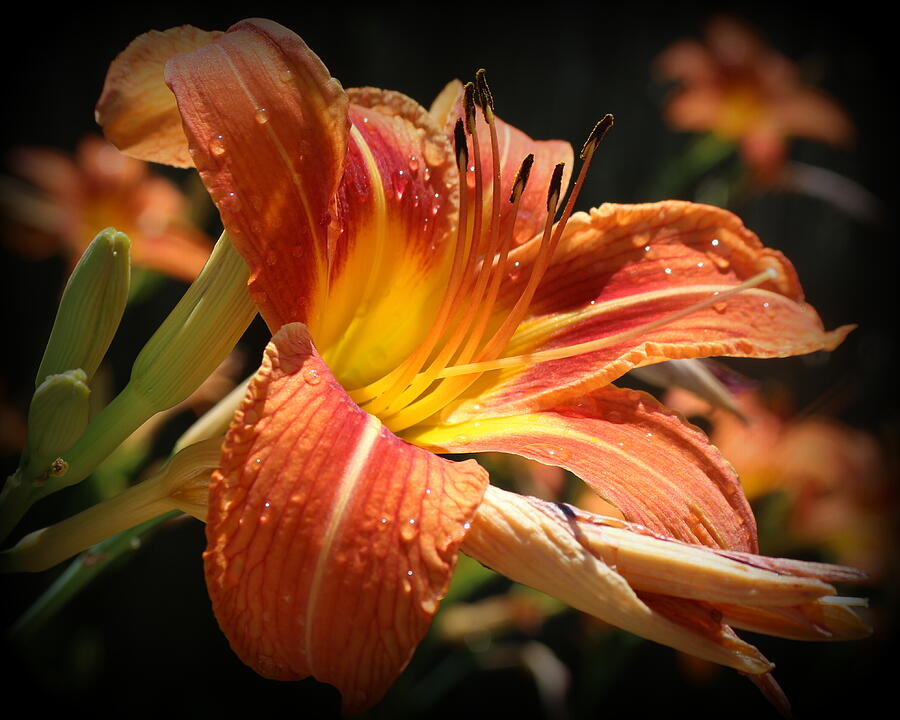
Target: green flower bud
x=198, y=334
x=91, y=307
x=56, y=419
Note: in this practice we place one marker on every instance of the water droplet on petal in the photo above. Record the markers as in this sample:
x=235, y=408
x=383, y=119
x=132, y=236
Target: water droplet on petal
x=217, y=145
x=311, y=375
x=413, y=163
x=286, y=75
x=261, y=115
x=720, y=307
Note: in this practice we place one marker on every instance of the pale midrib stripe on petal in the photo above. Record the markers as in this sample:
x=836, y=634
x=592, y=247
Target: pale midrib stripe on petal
x=368, y=437
x=536, y=328
x=282, y=152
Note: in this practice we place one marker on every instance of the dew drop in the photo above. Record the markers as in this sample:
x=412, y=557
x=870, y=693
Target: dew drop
x=714, y=242
x=286, y=75
x=311, y=376
x=409, y=572
x=700, y=264
x=261, y=115
x=384, y=521
x=646, y=248
x=217, y=145
x=721, y=262
x=466, y=526
x=720, y=307
x=668, y=271
x=413, y=163
x=234, y=201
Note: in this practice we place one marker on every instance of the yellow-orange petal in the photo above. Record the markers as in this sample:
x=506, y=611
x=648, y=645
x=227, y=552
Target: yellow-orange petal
x=330, y=541
x=512, y=146
x=136, y=110
x=657, y=469
x=392, y=237
x=624, y=266
x=267, y=127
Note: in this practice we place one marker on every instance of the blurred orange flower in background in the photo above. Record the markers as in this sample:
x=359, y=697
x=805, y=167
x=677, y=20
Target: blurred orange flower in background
x=835, y=477
x=56, y=203
x=735, y=86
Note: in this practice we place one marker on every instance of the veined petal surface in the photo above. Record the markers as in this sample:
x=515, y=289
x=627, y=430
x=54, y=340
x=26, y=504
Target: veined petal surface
x=624, y=266
x=330, y=540
x=656, y=468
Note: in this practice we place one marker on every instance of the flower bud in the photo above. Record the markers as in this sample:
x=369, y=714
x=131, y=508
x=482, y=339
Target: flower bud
x=91, y=307
x=56, y=419
x=198, y=334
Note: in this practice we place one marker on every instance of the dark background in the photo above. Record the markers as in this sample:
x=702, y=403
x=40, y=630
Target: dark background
x=143, y=639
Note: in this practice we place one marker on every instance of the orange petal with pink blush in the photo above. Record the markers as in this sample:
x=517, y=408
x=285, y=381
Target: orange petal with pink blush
x=657, y=469
x=136, y=110
x=624, y=266
x=318, y=515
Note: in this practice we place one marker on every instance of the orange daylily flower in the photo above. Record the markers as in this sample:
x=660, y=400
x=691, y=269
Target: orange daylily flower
x=834, y=475
x=741, y=90
x=424, y=298
x=67, y=200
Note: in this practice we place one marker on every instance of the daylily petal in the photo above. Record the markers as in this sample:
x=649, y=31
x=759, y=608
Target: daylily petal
x=535, y=543
x=645, y=459
x=267, y=127
x=392, y=239
x=317, y=516
x=513, y=146
x=664, y=590
x=136, y=110
x=624, y=266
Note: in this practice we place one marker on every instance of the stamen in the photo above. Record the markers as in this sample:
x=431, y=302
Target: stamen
x=475, y=313
x=601, y=343
x=521, y=180
x=485, y=95
x=469, y=106
x=597, y=134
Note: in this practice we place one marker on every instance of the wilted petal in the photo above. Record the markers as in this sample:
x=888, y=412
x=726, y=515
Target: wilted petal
x=536, y=543
x=330, y=541
x=625, y=266
x=645, y=459
x=136, y=110
x=671, y=592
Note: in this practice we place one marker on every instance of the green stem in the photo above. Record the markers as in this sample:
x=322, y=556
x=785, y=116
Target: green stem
x=700, y=156
x=79, y=574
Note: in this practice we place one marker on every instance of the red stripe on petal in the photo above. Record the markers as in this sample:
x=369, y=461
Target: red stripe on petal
x=393, y=237
x=330, y=540
x=267, y=127
x=657, y=469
